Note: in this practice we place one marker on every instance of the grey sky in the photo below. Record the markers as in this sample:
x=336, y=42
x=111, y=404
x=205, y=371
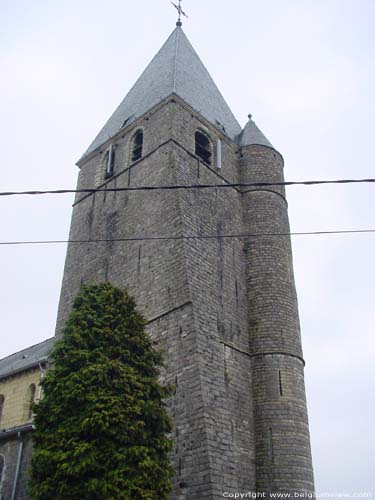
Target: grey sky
x=305, y=70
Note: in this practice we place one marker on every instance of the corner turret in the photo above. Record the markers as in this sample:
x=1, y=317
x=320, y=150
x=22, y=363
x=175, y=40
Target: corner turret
x=282, y=442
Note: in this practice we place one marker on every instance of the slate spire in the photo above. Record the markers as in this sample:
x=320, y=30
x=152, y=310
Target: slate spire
x=176, y=69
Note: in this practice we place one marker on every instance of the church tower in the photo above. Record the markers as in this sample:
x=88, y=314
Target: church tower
x=207, y=271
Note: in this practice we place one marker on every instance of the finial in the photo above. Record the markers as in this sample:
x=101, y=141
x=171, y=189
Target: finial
x=180, y=12
x=250, y=116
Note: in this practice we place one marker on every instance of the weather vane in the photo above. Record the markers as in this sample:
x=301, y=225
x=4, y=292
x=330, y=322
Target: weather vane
x=180, y=12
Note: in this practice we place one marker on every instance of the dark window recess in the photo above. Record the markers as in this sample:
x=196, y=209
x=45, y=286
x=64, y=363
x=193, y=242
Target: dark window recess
x=125, y=122
x=203, y=147
x=280, y=384
x=137, y=146
x=110, y=165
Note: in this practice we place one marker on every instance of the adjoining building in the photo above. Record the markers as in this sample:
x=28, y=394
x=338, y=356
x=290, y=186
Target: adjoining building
x=20, y=376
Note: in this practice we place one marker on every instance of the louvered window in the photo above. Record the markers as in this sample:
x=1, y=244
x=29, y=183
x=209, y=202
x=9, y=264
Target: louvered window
x=203, y=147
x=137, y=146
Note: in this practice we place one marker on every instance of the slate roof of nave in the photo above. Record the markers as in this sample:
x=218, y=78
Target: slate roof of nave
x=176, y=69
x=26, y=358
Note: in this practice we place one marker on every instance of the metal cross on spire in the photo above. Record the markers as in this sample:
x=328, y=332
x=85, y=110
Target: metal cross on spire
x=180, y=12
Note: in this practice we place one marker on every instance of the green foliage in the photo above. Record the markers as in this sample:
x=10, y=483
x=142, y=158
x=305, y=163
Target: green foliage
x=101, y=427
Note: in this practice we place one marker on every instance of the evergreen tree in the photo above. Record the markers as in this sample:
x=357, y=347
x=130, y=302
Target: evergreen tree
x=101, y=427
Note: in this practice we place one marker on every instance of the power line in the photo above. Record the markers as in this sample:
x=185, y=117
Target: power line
x=191, y=186
x=177, y=238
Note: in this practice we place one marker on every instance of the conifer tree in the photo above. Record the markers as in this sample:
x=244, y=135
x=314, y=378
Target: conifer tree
x=101, y=426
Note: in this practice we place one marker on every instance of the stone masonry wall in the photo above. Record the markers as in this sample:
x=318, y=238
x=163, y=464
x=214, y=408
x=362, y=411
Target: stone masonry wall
x=223, y=310
x=15, y=390
x=10, y=449
x=193, y=293
x=216, y=270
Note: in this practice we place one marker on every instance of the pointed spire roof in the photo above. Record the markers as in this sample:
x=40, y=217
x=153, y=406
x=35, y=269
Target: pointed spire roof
x=253, y=135
x=177, y=69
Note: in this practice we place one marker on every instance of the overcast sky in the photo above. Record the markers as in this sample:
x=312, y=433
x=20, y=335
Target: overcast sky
x=305, y=70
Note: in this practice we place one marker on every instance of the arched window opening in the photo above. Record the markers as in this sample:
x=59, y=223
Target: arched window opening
x=110, y=162
x=137, y=146
x=203, y=147
x=2, y=399
x=30, y=400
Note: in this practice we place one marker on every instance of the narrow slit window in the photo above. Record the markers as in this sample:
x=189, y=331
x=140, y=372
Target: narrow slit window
x=280, y=384
x=137, y=147
x=110, y=162
x=270, y=450
x=203, y=147
x=2, y=466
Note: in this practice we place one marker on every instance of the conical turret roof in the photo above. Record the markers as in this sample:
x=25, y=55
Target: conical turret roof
x=253, y=135
x=176, y=69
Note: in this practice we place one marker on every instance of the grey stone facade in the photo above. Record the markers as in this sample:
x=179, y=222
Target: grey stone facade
x=224, y=310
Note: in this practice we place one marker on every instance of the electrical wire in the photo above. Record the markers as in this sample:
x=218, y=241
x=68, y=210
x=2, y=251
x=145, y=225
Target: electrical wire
x=177, y=238
x=181, y=187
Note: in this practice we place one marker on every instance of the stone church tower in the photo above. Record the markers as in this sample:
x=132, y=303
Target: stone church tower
x=224, y=310
x=207, y=271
